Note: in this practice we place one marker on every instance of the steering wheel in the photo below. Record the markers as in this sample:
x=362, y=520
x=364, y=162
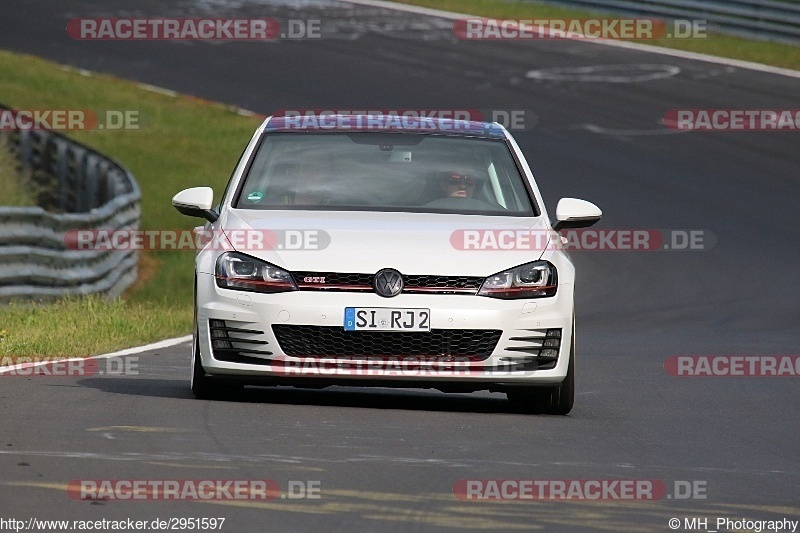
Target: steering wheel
x=461, y=203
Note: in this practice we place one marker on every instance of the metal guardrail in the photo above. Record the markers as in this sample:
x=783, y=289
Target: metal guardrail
x=81, y=189
x=759, y=19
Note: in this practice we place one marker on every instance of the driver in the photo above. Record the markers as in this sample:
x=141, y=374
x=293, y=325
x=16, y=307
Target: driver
x=457, y=185
x=313, y=184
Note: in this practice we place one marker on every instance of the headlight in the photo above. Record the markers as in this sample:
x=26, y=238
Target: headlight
x=244, y=273
x=532, y=280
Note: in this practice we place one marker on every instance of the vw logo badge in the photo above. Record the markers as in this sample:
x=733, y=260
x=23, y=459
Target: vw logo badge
x=388, y=282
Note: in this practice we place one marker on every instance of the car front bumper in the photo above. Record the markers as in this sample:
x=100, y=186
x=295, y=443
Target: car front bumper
x=237, y=339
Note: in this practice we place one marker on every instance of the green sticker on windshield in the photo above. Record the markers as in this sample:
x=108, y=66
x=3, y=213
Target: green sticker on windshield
x=255, y=196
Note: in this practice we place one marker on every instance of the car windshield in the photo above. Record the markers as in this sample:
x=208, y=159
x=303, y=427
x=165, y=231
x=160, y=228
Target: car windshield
x=385, y=171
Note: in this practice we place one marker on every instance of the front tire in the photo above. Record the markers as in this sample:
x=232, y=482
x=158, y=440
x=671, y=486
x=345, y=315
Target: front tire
x=557, y=400
x=205, y=387
x=201, y=385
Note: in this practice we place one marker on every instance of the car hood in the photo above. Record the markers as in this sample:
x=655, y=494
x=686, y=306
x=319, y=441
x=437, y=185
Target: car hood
x=365, y=242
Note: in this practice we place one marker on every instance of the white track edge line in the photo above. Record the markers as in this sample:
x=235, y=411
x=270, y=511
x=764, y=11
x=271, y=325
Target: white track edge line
x=166, y=343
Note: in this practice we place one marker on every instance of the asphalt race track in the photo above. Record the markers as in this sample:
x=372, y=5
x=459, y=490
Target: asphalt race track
x=388, y=460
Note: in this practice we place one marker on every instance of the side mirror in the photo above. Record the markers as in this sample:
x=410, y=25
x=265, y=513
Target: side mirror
x=575, y=213
x=196, y=202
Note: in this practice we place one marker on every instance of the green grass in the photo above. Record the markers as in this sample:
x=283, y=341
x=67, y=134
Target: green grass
x=768, y=53
x=12, y=186
x=183, y=142
x=85, y=326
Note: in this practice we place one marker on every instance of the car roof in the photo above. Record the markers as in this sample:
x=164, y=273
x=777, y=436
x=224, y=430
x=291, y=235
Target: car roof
x=393, y=123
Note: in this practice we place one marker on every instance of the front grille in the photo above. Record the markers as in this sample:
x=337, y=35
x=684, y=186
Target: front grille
x=334, y=341
x=333, y=281
x=234, y=343
x=442, y=284
x=414, y=284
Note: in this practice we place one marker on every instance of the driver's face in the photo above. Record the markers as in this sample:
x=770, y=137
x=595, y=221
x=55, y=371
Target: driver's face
x=312, y=183
x=458, y=186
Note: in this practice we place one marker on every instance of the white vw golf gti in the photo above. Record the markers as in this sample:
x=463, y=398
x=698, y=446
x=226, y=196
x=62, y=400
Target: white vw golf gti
x=379, y=250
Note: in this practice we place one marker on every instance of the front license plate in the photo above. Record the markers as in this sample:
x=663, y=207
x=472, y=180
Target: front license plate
x=386, y=319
